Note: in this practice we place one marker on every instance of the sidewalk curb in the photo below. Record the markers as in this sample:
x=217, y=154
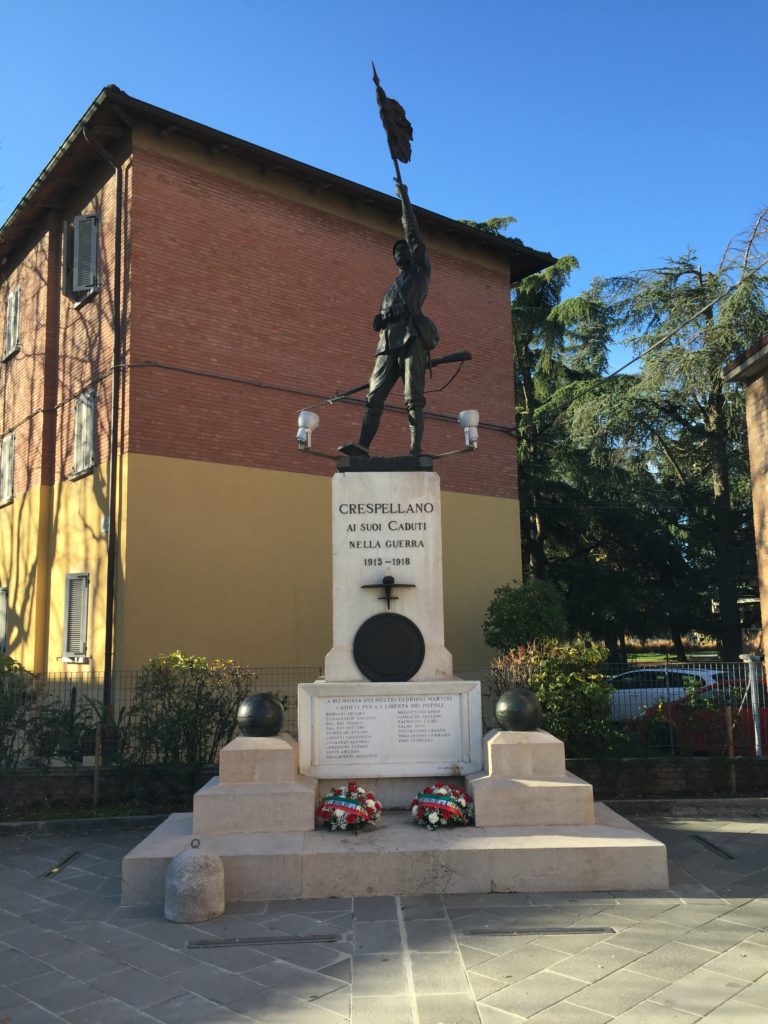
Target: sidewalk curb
x=56, y=826
x=718, y=807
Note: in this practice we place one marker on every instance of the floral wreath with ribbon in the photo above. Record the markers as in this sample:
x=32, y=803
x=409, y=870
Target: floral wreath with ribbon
x=349, y=808
x=442, y=806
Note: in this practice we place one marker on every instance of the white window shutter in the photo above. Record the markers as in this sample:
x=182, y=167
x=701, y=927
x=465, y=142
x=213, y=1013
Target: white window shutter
x=85, y=410
x=76, y=615
x=78, y=446
x=6, y=467
x=11, y=339
x=3, y=619
x=86, y=236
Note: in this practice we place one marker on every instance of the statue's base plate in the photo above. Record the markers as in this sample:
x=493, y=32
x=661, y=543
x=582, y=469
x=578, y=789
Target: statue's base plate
x=353, y=450
x=380, y=464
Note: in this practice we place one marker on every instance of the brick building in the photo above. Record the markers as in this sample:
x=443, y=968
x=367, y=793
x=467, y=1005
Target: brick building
x=751, y=368
x=172, y=297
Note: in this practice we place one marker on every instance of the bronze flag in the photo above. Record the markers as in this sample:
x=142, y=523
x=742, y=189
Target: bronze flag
x=396, y=124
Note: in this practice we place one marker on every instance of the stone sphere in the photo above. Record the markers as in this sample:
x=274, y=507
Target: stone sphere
x=260, y=715
x=519, y=710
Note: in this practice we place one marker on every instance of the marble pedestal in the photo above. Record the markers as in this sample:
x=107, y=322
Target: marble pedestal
x=387, y=524
x=258, y=789
x=524, y=782
x=395, y=736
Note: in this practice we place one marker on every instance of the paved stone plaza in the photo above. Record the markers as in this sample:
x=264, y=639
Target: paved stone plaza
x=699, y=952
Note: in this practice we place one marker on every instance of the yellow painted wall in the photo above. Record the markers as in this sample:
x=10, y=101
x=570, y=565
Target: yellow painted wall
x=19, y=523
x=46, y=533
x=223, y=561
x=234, y=562
x=79, y=544
x=481, y=551
x=226, y=561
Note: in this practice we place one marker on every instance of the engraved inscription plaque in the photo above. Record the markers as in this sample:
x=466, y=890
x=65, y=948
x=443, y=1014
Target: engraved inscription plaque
x=392, y=729
x=389, y=729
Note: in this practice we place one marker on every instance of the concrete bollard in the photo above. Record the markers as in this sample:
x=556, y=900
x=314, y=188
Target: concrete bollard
x=194, y=886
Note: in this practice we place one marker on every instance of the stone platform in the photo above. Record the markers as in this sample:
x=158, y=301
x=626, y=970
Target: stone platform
x=536, y=828
x=398, y=857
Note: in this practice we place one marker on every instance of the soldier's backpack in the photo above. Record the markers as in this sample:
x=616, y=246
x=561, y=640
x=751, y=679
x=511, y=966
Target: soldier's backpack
x=427, y=330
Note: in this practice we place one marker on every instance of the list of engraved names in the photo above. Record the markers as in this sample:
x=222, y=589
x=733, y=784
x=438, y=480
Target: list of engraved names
x=388, y=730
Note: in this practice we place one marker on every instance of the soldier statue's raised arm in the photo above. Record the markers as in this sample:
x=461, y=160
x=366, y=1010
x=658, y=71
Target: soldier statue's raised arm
x=406, y=337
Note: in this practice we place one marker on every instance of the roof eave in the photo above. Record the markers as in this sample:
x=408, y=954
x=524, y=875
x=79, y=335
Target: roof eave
x=749, y=364
x=522, y=259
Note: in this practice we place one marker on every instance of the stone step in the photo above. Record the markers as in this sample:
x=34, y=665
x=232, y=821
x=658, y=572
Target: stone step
x=499, y=802
x=232, y=808
x=398, y=857
x=259, y=759
x=523, y=755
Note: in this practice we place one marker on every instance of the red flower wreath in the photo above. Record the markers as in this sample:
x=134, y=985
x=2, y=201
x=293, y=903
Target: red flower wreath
x=349, y=808
x=442, y=806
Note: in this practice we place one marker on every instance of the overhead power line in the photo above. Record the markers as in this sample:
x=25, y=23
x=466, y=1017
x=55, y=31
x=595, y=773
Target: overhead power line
x=251, y=382
x=657, y=344
x=670, y=334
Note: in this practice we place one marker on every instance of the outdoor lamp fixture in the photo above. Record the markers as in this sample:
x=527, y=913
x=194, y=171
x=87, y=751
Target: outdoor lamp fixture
x=469, y=419
x=308, y=421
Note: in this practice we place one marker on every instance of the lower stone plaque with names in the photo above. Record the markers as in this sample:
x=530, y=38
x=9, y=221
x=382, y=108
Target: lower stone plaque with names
x=389, y=729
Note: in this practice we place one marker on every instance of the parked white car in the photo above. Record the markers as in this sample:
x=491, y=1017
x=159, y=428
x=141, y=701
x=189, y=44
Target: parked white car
x=642, y=688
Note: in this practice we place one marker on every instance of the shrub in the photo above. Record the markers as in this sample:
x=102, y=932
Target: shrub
x=523, y=614
x=184, y=710
x=16, y=699
x=35, y=725
x=575, y=696
x=56, y=728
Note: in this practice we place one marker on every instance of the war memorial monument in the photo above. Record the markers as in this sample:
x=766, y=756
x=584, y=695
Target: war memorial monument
x=389, y=711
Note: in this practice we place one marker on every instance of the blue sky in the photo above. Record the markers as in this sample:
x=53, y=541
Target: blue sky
x=619, y=132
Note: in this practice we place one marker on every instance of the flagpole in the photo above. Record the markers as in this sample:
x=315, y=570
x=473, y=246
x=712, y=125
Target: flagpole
x=398, y=179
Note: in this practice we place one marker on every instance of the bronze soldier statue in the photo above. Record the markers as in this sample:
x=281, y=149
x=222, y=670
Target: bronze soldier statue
x=406, y=337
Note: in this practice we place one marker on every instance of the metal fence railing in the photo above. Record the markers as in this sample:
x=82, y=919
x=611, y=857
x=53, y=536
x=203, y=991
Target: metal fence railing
x=704, y=707
x=58, y=720
x=701, y=707
x=59, y=686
